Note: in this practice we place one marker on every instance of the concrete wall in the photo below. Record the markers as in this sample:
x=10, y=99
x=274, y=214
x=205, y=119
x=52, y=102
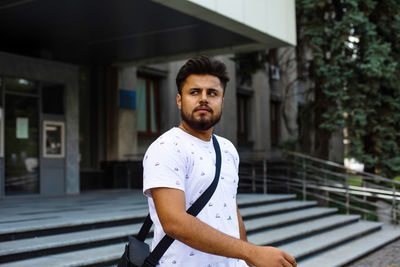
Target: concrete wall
x=170, y=115
x=269, y=22
x=126, y=118
x=45, y=70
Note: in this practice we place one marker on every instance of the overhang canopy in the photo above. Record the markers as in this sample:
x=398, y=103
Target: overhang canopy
x=125, y=31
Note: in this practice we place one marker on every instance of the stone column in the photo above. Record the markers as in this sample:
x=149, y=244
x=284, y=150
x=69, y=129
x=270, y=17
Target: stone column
x=261, y=111
x=227, y=127
x=126, y=136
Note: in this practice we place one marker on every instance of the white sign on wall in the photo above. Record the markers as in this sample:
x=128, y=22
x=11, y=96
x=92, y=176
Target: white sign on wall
x=22, y=129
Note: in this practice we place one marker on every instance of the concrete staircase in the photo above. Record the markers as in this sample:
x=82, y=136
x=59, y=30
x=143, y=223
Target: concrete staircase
x=92, y=230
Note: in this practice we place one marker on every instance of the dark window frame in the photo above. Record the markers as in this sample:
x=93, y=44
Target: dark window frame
x=244, y=137
x=156, y=81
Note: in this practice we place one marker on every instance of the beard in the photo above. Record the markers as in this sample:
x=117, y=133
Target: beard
x=203, y=123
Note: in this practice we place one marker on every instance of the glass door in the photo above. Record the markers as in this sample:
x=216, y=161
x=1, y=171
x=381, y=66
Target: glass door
x=21, y=137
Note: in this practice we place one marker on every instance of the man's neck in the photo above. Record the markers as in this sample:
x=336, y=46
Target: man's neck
x=203, y=135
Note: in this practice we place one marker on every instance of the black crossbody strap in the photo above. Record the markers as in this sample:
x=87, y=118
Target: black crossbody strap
x=197, y=206
x=145, y=229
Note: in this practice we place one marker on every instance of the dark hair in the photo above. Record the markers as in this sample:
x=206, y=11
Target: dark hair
x=202, y=65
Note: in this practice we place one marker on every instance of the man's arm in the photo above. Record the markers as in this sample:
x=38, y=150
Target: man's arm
x=171, y=210
x=242, y=229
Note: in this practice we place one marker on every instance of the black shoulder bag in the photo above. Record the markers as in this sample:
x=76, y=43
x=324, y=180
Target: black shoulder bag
x=137, y=252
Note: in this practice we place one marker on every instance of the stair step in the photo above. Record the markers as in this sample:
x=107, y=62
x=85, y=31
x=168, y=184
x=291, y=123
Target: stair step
x=10, y=249
x=91, y=256
x=287, y=218
x=75, y=221
x=255, y=199
x=44, y=217
x=316, y=243
x=291, y=232
x=275, y=208
x=355, y=249
x=31, y=245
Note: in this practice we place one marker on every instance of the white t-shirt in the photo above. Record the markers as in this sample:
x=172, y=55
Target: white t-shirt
x=181, y=161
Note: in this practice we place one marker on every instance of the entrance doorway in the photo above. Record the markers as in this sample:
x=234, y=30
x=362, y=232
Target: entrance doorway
x=21, y=136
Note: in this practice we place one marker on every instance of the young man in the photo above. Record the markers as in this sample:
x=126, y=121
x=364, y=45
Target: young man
x=180, y=165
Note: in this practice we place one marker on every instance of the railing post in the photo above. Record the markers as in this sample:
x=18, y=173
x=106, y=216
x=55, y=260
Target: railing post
x=364, y=198
x=347, y=194
x=253, y=175
x=304, y=180
x=288, y=189
x=394, y=209
x=265, y=176
x=326, y=192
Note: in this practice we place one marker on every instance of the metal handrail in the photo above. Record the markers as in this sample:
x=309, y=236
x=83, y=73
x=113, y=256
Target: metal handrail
x=295, y=183
x=308, y=175
x=337, y=165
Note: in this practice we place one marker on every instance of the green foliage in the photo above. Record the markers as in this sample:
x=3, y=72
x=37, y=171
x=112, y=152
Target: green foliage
x=397, y=178
x=289, y=144
x=356, y=70
x=356, y=181
x=248, y=64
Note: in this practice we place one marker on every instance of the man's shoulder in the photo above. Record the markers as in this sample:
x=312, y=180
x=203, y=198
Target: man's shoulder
x=225, y=143
x=168, y=140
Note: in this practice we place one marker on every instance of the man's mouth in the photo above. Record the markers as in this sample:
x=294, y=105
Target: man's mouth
x=203, y=110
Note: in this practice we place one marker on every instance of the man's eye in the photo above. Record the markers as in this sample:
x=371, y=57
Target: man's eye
x=212, y=93
x=194, y=92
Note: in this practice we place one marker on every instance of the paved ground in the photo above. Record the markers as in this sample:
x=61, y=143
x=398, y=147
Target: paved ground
x=388, y=256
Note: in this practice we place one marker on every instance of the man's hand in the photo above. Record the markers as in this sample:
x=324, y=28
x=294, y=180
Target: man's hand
x=270, y=257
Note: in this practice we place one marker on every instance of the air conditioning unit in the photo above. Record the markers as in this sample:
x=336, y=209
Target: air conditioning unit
x=274, y=73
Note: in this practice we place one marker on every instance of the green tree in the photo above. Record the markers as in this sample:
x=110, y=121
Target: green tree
x=355, y=69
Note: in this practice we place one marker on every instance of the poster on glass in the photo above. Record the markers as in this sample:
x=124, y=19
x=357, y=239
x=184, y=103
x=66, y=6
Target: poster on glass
x=53, y=139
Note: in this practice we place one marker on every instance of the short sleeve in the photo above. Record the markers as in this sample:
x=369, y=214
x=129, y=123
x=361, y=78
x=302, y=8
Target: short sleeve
x=236, y=159
x=163, y=166
x=232, y=151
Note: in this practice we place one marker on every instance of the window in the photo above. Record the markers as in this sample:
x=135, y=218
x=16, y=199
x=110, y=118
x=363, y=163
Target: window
x=242, y=114
x=147, y=105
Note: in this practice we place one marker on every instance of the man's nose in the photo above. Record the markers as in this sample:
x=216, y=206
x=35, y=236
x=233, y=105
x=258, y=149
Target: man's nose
x=204, y=96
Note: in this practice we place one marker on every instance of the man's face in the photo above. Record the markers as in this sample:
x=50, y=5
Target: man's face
x=201, y=101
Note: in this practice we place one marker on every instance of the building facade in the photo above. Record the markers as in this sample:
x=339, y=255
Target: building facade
x=85, y=86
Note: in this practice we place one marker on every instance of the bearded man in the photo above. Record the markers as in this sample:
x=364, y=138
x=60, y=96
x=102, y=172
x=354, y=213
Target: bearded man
x=180, y=165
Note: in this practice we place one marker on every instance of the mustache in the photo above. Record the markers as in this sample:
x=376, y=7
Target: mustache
x=206, y=107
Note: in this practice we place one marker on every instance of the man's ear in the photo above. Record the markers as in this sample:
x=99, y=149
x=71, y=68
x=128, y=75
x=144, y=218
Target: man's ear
x=179, y=101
